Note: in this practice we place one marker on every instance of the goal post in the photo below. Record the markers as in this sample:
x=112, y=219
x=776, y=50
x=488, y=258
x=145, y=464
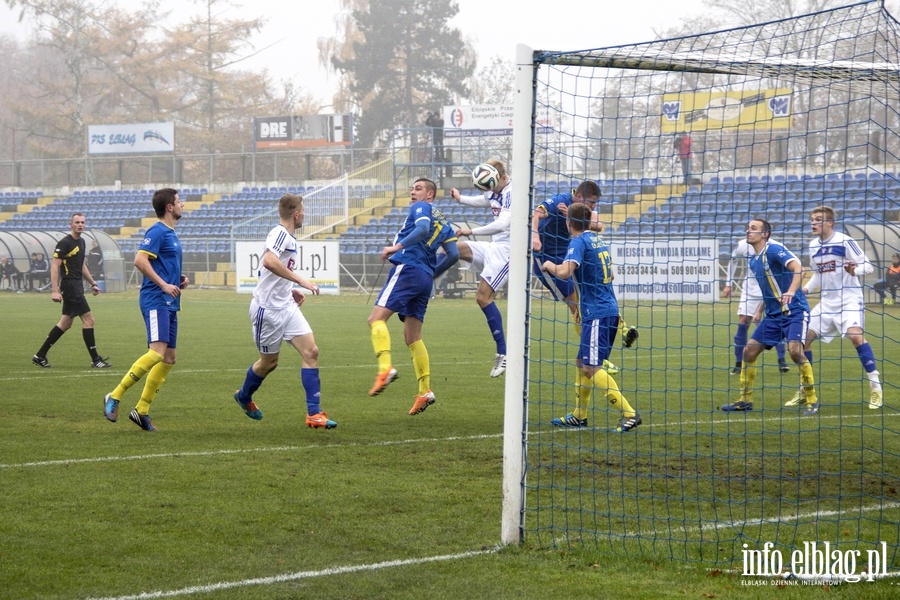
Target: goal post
x=779, y=118
x=517, y=317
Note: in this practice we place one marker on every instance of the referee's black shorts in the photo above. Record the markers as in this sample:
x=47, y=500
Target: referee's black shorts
x=74, y=303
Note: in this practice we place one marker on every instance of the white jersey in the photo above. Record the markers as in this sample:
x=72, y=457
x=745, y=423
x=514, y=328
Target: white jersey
x=272, y=291
x=743, y=252
x=827, y=259
x=499, y=203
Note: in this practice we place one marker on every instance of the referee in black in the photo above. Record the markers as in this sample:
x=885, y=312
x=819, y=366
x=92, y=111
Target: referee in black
x=66, y=273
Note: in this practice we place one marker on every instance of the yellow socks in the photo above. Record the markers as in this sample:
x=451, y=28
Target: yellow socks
x=748, y=376
x=807, y=382
x=606, y=383
x=421, y=365
x=381, y=343
x=136, y=372
x=583, y=388
x=155, y=380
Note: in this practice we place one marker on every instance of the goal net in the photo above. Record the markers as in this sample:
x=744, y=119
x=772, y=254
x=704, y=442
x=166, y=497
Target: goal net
x=689, y=139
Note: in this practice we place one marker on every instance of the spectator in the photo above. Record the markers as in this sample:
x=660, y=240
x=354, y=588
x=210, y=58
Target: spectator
x=437, y=135
x=95, y=261
x=39, y=272
x=683, y=148
x=10, y=274
x=890, y=282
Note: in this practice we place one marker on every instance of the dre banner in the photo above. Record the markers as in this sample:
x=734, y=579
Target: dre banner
x=303, y=132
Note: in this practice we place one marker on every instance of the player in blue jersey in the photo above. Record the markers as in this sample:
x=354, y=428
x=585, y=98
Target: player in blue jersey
x=408, y=289
x=589, y=261
x=159, y=259
x=779, y=274
x=550, y=241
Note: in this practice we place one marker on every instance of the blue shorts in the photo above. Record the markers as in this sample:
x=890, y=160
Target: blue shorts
x=560, y=288
x=597, y=337
x=771, y=331
x=406, y=292
x=162, y=326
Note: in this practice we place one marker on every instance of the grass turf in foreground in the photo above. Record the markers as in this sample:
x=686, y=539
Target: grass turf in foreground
x=216, y=498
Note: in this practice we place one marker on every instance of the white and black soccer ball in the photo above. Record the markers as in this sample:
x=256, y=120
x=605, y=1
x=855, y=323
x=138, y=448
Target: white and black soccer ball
x=485, y=177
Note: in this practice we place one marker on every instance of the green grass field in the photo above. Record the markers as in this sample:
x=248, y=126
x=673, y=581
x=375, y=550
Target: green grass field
x=215, y=505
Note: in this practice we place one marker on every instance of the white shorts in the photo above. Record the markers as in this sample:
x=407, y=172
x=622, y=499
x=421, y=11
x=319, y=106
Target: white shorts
x=491, y=261
x=273, y=326
x=749, y=304
x=831, y=324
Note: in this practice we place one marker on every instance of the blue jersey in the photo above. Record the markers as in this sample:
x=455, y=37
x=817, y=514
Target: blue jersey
x=423, y=254
x=162, y=246
x=769, y=267
x=593, y=276
x=554, y=234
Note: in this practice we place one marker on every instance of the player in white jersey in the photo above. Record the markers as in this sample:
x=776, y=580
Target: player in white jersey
x=837, y=261
x=490, y=259
x=751, y=300
x=275, y=317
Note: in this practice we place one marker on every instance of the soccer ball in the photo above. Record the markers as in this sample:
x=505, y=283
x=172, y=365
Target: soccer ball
x=485, y=177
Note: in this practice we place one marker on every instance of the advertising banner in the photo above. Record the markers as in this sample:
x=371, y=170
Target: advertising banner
x=303, y=131
x=753, y=110
x=681, y=270
x=131, y=138
x=318, y=261
x=480, y=120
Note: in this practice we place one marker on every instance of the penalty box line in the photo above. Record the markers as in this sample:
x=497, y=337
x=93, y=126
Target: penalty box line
x=276, y=579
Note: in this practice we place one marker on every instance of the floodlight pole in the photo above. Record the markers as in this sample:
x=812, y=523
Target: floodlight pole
x=516, y=391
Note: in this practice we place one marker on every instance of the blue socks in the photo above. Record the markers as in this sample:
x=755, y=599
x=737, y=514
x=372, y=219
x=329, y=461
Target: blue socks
x=251, y=383
x=310, y=380
x=495, y=323
x=780, y=350
x=740, y=340
x=866, y=357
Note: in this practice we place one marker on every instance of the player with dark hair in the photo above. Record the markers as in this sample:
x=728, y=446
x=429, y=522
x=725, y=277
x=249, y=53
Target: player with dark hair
x=159, y=259
x=275, y=317
x=408, y=289
x=837, y=261
x=779, y=274
x=748, y=307
x=490, y=259
x=550, y=241
x=589, y=262
x=68, y=270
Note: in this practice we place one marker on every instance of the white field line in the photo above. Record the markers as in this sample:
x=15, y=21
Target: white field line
x=64, y=373
x=104, y=459
x=225, y=585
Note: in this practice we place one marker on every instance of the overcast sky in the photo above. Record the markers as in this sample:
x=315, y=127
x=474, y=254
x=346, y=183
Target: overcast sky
x=494, y=28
